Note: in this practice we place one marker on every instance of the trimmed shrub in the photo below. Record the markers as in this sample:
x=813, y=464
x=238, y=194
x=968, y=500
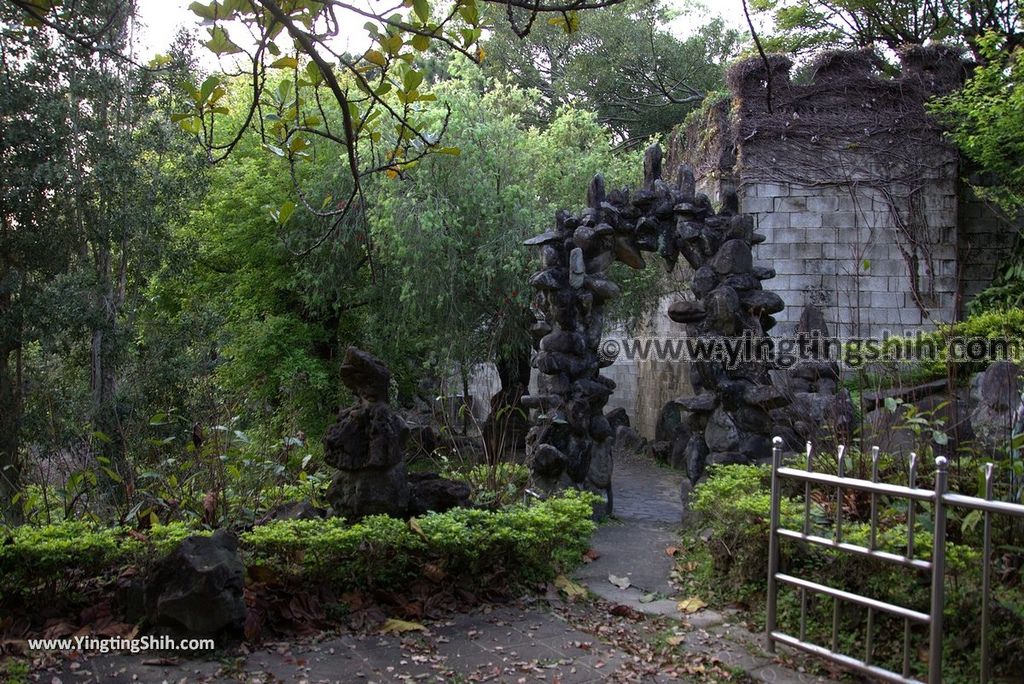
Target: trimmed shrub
x=520, y=543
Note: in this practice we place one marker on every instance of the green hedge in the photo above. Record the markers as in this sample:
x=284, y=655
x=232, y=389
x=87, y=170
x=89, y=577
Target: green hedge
x=521, y=543
x=991, y=325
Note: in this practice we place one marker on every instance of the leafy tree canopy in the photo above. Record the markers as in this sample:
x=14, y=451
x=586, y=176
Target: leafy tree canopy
x=624, y=61
x=809, y=25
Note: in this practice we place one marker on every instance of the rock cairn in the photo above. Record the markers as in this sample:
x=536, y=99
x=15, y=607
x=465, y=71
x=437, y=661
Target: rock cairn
x=728, y=420
x=367, y=446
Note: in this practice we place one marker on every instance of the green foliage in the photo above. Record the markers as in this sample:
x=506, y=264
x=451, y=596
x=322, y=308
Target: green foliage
x=734, y=502
x=257, y=327
x=986, y=121
x=451, y=262
x=726, y=562
x=802, y=26
x=496, y=485
x=55, y=556
x=519, y=544
x=893, y=364
x=522, y=543
x=626, y=60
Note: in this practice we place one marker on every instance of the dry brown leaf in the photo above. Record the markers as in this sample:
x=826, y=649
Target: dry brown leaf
x=414, y=525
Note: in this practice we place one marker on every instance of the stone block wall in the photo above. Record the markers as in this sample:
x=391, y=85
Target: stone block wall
x=839, y=248
x=854, y=186
x=986, y=234
x=644, y=386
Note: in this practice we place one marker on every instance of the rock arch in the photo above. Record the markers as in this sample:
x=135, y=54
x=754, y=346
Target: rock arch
x=728, y=420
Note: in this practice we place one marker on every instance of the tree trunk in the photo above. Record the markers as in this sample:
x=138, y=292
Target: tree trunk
x=515, y=369
x=103, y=366
x=10, y=410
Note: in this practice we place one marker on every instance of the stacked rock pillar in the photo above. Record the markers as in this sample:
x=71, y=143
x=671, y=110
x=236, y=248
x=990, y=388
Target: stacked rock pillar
x=570, y=444
x=728, y=420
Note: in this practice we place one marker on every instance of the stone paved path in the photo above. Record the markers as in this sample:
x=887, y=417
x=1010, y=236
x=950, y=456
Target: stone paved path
x=648, y=515
x=532, y=641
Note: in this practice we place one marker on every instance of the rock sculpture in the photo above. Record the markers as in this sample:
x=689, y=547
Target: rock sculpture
x=821, y=411
x=367, y=446
x=997, y=410
x=728, y=420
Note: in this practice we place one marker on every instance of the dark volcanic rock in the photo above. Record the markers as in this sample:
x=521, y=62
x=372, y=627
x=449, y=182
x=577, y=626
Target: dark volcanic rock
x=293, y=510
x=729, y=301
x=765, y=396
x=763, y=300
x=548, y=461
x=367, y=435
x=696, y=457
x=704, y=402
x=355, y=494
x=998, y=387
x=733, y=257
x=686, y=311
x=627, y=440
x=196, y=590
x=617, y=417
x=430, y=492
x=365, y=375
x=722, y=305
x=367, y=445
x=704, y=281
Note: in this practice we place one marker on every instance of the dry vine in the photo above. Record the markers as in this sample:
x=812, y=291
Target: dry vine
x=848, y=127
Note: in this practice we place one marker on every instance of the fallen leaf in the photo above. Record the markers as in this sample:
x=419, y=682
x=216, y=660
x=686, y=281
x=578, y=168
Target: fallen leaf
x=690, y=605
x=395, y=626
x=620, y=582
x=622, y=610
x=569, y=588
x=433, y=573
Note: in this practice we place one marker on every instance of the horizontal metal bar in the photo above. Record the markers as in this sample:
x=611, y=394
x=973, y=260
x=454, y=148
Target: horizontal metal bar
x=915, y=563
x=998, y=507
x=859, y=485
x=840, y=659
x=898, y=611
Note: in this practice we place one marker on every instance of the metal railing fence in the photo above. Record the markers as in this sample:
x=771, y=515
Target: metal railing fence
x=941, y=500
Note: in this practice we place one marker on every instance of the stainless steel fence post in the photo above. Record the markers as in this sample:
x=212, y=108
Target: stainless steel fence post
x=938, y=573
x=773, y=544
x=986, y=581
